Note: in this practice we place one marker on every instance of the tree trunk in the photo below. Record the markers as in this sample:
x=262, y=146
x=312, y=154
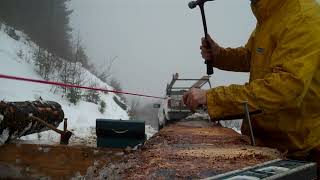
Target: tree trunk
x=15, y=118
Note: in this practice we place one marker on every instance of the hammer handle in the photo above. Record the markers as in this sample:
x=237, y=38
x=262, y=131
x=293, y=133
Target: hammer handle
x=209, y=63
x=204, y=22
x=50, y=126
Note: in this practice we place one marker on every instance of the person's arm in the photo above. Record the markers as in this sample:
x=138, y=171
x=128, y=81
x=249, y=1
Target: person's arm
x=295, y=62
x=229, y=59
x=233, y=59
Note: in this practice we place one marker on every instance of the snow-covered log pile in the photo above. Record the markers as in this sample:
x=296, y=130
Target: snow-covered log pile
x=16, y=118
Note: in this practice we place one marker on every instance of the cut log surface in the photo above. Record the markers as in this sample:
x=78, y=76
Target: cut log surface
x=15, y=118
x=182, y=150
x=193, y=150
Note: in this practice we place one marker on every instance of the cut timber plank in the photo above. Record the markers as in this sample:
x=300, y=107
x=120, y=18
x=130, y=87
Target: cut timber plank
x=29, y=161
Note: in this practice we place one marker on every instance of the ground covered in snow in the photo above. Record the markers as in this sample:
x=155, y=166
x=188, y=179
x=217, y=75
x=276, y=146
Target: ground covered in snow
x=17, y=60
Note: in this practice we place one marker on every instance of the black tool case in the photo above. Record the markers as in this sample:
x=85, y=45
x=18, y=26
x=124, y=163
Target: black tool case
x=119, y=133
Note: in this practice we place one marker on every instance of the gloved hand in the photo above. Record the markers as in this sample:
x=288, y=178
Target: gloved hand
x=209, y=48
x=195, y=98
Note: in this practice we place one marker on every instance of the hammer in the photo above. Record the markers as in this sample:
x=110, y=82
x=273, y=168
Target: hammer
x=64, y=135
x=200, y=3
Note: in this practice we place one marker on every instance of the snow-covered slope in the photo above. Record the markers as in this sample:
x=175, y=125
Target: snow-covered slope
x=16, y=59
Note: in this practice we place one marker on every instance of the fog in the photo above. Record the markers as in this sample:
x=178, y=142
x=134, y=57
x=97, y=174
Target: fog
x=152, y=39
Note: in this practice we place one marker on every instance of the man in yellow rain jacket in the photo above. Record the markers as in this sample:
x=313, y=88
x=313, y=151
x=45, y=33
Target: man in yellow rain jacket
x=283, y=58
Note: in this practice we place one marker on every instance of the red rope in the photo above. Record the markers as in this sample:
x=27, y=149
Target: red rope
x=74, y=86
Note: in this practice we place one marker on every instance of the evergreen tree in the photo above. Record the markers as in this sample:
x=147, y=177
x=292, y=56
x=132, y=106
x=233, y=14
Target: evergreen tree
x=45, y=21
x=102, y=107
x=74, y=95
x=91, y=95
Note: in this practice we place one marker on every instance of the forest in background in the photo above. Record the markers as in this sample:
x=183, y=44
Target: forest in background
x=60, y=56
x=46, y=22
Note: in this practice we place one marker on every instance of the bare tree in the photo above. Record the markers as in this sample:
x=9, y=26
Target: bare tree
x=134, y=109
x=92, y=95
x=72, y=72
x=106, y=72
x=117, y=85
x=44, y=63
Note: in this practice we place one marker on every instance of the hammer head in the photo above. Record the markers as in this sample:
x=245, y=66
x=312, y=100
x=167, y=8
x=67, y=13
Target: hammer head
x=64, y=138
x=194, y=4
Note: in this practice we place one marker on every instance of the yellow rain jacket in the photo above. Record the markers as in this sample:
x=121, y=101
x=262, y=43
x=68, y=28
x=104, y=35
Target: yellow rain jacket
x=283, y=58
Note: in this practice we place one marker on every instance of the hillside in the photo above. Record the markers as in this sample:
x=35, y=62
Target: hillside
x=17, y=60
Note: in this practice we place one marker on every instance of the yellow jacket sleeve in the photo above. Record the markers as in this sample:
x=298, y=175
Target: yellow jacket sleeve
x=293, y=65
x=234, y=59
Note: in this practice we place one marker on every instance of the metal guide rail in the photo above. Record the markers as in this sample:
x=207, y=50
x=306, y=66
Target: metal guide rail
x=199, y=83
x=273, y=170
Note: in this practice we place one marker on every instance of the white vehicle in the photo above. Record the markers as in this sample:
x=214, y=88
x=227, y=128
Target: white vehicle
x=173, y=108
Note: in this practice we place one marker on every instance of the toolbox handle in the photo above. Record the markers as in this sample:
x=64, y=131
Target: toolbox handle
x=120, y=132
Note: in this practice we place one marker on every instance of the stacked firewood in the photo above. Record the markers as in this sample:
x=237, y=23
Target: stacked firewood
x=18, y=118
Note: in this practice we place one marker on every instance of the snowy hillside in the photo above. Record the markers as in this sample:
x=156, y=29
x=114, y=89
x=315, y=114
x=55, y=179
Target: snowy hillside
x=16, y=60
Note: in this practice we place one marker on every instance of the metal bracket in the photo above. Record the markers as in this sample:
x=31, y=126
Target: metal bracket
x=247, y=117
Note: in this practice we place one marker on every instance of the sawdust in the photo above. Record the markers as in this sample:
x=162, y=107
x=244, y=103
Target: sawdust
x=187, y=150
x=227, y=152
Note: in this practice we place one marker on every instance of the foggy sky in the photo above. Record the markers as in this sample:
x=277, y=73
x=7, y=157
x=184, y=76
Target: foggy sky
x=155, y=38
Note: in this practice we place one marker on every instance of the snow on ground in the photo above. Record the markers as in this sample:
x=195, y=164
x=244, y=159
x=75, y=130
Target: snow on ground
x=237, y=130
x=200, y=116
x=233, y=124
x=81, y=117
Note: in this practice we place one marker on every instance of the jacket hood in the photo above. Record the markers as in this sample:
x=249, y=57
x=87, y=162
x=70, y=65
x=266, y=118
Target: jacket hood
x=263, y=9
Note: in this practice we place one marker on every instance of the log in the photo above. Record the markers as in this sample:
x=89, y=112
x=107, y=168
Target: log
x=16, y=121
